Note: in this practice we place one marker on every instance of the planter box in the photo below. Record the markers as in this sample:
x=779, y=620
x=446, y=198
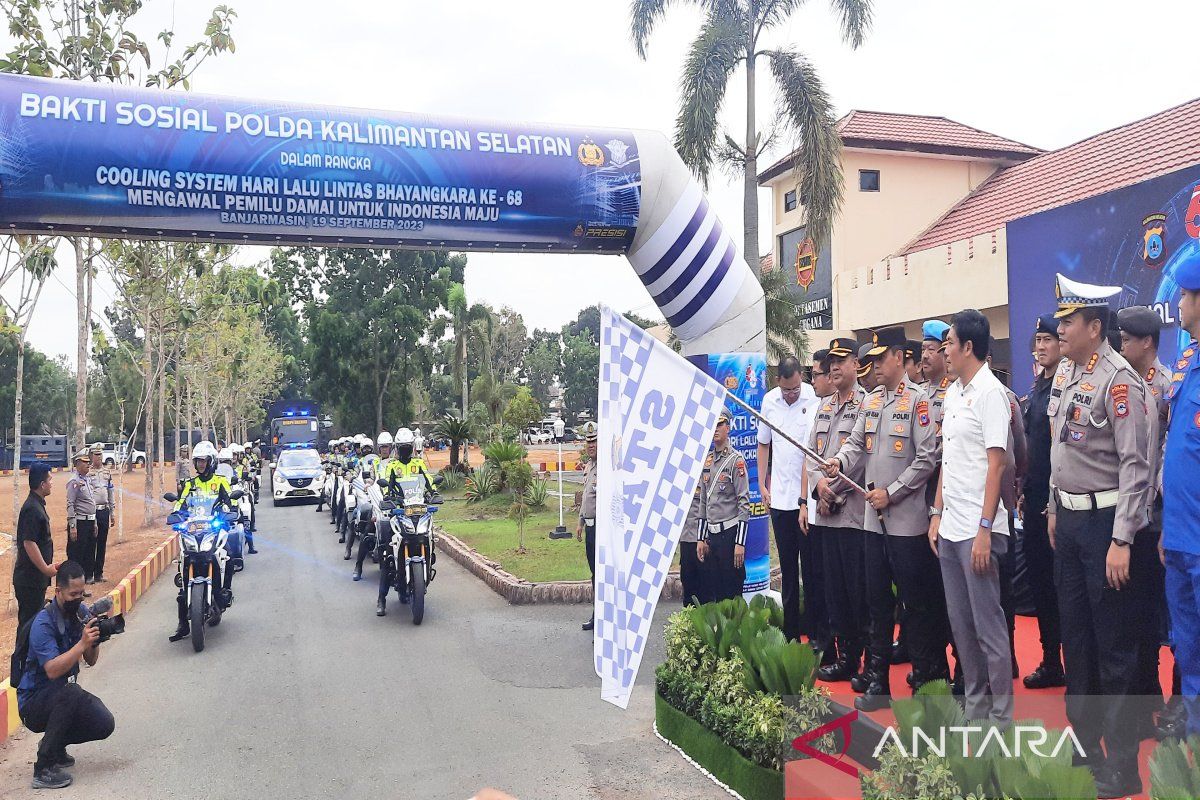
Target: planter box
x=725, y=763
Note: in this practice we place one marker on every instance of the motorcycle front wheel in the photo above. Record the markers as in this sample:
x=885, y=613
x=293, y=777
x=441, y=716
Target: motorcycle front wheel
x=416, y=586
x=196, y=610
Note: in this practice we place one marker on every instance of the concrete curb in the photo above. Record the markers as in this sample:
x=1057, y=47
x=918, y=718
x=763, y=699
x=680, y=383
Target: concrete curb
x=124, y=595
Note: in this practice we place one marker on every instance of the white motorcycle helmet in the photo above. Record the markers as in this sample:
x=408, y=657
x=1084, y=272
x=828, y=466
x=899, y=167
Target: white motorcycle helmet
x=385, y=439
x=205, y=451
x=237, y=449
x=225, y=454
x=404, y=444
x=367, y=442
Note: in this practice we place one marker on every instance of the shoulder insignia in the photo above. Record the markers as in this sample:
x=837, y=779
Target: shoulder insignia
x=1120, y=396
x=923, y=414
x=945, y=382
x=1150, y=374
x=1091, y=365
x=900, y=389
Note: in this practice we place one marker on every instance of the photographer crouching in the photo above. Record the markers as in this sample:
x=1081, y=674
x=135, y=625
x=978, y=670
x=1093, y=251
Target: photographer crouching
x=49, y=699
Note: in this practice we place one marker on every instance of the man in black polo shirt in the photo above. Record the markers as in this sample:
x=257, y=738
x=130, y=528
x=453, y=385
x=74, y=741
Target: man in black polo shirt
x=33, y=567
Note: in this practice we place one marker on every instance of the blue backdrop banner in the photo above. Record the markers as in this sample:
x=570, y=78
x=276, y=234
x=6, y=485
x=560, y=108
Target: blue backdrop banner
x=1135, y=238
x=83, y=157
x=745, y=374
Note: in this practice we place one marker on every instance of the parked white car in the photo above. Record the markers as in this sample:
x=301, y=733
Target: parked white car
x=122, y=454
x=537, y=436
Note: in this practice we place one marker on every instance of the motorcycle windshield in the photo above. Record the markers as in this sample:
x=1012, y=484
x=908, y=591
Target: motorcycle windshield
x=412, y=490
x=201, y=504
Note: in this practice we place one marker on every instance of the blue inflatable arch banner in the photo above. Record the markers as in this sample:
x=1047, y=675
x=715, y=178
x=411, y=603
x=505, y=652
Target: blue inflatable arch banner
x=109, y=161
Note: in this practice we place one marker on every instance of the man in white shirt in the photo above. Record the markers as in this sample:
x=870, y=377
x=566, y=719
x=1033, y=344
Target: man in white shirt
x=790, y=406
x=968, y=527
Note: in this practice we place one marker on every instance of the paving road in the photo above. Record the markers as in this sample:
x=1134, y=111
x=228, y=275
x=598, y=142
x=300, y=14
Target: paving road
x=302, y=692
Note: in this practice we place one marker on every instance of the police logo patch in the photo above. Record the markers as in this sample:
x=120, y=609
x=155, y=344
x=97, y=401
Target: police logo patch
x=1076, y=436
x=898, y=446
x=1120, y=396
x=923, y=414
x=1197, y=419
x=898, y=429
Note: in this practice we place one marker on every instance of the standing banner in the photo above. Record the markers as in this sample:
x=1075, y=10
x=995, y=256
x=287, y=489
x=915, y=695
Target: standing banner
x=745, y=376
x=657, y=414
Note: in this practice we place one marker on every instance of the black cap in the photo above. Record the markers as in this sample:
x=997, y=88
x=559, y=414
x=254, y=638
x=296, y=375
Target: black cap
x=842, y=347
x=887, y=338
x=1047, y=323
x=1138, y=321
x=912, y=349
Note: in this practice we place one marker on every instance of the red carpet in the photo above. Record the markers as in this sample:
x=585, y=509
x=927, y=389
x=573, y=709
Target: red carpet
x=1044, y=704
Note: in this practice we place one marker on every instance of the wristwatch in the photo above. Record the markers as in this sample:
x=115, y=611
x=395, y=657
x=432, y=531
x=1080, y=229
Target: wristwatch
x=934, y=511
x=1120, y=542
x=985, y=523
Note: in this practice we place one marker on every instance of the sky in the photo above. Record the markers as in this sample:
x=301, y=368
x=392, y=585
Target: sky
x=1043, y=73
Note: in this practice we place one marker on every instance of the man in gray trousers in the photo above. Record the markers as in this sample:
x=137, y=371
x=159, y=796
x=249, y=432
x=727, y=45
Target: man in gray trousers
x=968, y=527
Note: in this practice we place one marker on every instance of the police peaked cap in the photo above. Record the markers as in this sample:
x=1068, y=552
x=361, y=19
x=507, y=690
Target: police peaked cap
x=1138, y=321
x=842, y=347
x=887, y=338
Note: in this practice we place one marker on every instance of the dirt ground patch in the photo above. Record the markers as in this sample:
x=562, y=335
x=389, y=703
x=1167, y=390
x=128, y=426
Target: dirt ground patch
x=125, y=548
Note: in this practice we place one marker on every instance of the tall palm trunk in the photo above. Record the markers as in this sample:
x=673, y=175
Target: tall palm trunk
x=83, y=305
x=462, y=355
x=16, y=472
x=750, y=180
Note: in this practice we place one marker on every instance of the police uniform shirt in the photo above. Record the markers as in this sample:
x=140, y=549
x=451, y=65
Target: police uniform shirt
x=726, y=493
x=1036, y=482
x=587, y=504
x=1181, y=457
x=102, y=489
x=1100, y=435
x=691, y=523
x=80, y=502
x=895, y=438
x=832, y=428
x=184, y=471
x=1158, y=381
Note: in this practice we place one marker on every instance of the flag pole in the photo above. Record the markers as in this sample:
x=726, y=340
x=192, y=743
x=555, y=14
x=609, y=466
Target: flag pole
x=802, y=448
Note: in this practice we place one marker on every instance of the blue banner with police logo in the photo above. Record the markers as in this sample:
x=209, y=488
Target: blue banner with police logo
x=110, y=160
x=745, y=375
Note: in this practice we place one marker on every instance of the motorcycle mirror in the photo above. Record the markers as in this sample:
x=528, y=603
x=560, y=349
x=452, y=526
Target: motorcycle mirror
x=236, y=494
x=439, y=480
x=171, y=497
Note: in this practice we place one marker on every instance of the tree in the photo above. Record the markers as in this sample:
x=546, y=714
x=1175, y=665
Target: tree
x=581, y=372
x=786, y=335
x=522, y=410
x=542, y=364
x=731, y=36
x=366, y=335
x=520, y=478
x=457, y=431
x=467, y=321
x=93, y=40
x=509, y=339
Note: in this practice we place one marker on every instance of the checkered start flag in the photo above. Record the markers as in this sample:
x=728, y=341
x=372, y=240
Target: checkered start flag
x=657, y=414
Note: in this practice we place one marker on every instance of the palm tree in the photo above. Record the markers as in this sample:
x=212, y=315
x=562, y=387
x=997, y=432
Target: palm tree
x=468, y=321
x=786, y=335
x=458, y=432
x=731, y=37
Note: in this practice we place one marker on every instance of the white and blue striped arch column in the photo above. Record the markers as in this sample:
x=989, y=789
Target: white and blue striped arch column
x=689, y=263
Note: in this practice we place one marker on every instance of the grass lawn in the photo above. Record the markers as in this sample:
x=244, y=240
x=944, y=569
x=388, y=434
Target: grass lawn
x=486, y=527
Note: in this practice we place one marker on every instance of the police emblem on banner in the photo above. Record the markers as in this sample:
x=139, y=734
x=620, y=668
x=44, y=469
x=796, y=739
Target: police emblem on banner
x=806, y=263
x=1154, y=240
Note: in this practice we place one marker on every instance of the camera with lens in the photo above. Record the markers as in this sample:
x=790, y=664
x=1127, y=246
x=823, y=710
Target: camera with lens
x=108, y=625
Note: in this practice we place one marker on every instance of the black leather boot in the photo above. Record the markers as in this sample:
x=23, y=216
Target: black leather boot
x=844, y=669
x=879, y=694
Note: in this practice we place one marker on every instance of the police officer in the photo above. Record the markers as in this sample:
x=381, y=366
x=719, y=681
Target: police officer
x=725, y=509
x=1099, y=499
x=102, y=490
x=867, y=377
x=691, y=576
x=895, y=440
x=183, y=468
x=1140, y=329
x=405, y=465
x=1181, y=501
x=585, y=530
x=81, y=515
x=1035, y=495
x=839, y=512
x=912, y=363
x=206, y=482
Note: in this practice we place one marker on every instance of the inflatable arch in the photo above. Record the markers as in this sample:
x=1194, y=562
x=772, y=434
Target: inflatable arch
x=111, y=161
